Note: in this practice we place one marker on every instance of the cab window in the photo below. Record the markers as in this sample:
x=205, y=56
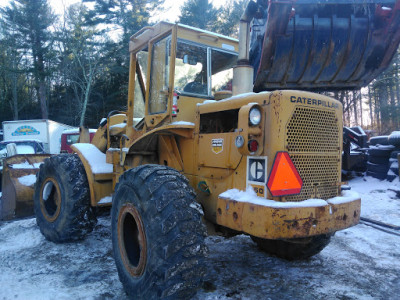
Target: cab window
x=140, y=83
x=159, y=76
x=191, y=74
x=201, y=71
x=221, y=70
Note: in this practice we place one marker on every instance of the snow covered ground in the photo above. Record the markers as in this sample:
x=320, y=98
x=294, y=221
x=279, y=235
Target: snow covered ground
x=360, y=262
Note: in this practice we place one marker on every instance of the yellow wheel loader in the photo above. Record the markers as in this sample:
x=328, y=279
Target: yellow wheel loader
x=18, y=176
x=196, y=139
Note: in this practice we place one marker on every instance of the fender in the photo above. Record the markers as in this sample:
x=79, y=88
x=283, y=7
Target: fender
x=99, y=173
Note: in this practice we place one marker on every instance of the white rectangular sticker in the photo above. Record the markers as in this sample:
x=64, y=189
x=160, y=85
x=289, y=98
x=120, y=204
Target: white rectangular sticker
x=256, y=175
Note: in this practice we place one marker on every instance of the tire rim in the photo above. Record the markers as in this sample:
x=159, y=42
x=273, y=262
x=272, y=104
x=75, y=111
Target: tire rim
x=50, y=199
x=132, y=240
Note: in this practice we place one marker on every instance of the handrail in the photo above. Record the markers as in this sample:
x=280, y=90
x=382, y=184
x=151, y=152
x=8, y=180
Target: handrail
x=141, y=31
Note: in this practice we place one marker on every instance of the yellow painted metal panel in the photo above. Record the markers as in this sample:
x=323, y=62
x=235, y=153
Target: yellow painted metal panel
x=218, y=150
x=279, y=223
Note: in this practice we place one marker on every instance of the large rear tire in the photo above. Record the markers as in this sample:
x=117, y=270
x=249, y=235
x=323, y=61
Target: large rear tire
x=61, y=200
x=294, y=249
x=157, y=234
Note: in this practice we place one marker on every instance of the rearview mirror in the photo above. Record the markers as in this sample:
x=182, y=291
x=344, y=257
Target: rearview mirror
x=191, y=60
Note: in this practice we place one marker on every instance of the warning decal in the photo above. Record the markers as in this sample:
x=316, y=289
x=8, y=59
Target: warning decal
x=217, y=145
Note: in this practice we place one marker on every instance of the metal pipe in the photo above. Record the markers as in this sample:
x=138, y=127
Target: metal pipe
x=244, y=30
x=243, y=71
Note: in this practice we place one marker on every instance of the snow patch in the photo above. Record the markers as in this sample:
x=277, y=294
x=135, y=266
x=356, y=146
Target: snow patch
x=120, y=125
x=105, y=200
x=182, y=123
x=28, y=180
x=71, y=131
x=76, y=131
x=347, y=196
x=250, y=196
x=47, y=190
x=25, y=149
x=382, y=147
x=95, y=158
x=197, y=207
x=390, y=172
x=26, y=165
x=206, y=102
x=20, y=235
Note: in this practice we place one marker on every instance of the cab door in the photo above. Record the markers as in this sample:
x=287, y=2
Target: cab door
x=160, y=92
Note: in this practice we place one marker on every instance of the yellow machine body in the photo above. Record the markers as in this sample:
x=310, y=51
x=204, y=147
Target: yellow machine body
x=168, y=125
x=18, y=179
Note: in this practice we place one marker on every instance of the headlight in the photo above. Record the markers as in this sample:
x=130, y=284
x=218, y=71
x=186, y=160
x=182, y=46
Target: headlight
x=255, y=116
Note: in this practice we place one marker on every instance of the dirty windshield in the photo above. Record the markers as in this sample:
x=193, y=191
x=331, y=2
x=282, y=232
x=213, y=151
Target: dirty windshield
x=200, y=70
x=222, y=73
x=140, y=83
x=191, y=69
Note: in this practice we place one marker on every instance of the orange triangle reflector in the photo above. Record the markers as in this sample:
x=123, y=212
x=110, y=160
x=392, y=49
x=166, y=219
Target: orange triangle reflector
x=284, y=178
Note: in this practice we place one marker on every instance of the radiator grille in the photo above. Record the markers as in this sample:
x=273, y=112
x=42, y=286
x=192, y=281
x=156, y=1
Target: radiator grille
x=312, y=130
x=312, y=140
x=319, y=174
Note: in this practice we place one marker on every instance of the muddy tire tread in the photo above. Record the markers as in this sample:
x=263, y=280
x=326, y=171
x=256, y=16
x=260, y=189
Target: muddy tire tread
x=174, y=232
x=77, y=218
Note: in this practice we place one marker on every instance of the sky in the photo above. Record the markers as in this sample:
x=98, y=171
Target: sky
x=171, y=11
x=171, y=8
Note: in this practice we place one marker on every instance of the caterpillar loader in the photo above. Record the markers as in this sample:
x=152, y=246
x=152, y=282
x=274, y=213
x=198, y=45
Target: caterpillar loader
x=196, y=139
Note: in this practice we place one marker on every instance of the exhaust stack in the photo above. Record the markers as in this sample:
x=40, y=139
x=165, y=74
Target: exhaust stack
x=243, y=71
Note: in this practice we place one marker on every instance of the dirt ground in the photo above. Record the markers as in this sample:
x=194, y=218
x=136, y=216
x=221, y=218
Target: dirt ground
x=359, y=263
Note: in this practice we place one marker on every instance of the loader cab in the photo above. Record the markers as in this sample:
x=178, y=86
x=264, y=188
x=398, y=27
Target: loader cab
x=173, y=68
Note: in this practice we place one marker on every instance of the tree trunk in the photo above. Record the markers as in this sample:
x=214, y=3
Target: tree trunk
x=86, y=100
x=355, y=108
x=393, y=115
x=371, y=115
x=361, y=109
x=42, y=99
x=15, y=96
x=377, y=110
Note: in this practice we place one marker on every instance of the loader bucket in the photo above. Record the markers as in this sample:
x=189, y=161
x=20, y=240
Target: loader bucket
x=18, y=180
x=323, y=44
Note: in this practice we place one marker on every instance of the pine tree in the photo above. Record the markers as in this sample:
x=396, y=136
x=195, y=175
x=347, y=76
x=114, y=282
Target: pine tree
x=32, y=20
x=200, y=14
x=228, y=20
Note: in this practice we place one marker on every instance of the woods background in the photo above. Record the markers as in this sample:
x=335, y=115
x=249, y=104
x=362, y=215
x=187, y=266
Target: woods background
x=73, y=68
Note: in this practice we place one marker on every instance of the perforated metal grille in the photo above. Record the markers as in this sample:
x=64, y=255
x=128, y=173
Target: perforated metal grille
x=320, y=175
x=312, y=140
x=312, y=130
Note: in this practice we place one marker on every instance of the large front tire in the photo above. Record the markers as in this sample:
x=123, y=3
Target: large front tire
x=61, y=200
x=157, y=234
x=294, y=249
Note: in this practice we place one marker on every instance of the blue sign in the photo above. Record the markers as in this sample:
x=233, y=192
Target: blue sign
x=25, y=130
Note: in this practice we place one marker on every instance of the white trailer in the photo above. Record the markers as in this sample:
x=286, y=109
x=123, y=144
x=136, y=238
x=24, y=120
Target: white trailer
x=46, y=131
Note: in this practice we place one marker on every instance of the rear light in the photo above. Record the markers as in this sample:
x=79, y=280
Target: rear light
x=174, y=110
x=253, y=146
x=175, y=105
x=284, y=178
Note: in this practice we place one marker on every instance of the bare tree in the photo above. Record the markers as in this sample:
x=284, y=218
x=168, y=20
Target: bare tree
x=83, y=50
